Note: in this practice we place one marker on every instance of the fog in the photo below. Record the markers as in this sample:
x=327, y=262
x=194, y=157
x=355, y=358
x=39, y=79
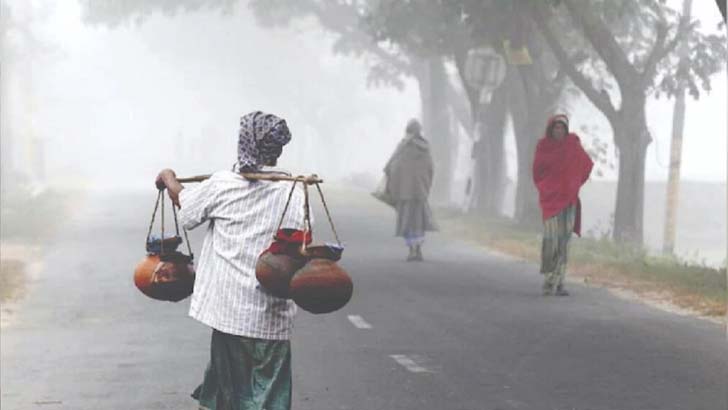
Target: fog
x=115, y=106
x=106, y=106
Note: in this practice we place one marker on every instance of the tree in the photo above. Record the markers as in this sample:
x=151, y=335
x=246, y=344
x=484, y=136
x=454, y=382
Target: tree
x=344, y=19
x=22, y=49
x=446, y=30
x=534, y=86
x=637, y=47
x=115, y=13
x=388, y=66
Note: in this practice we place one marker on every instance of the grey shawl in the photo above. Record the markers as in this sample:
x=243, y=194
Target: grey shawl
x=410, y=170
x=409, y=178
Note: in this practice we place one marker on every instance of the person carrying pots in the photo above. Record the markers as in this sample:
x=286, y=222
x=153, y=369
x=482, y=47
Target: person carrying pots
x=250, y=360
x=409, y=174
x=560, y=167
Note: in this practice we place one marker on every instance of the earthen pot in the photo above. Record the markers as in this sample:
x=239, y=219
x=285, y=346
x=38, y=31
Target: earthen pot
x=274, y=272
x=321, y=286
x=169, y=278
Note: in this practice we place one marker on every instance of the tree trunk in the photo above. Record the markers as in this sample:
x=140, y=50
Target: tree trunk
x=722, y=7
x=536, y=90
x=489, y=152
x=632, y=139
x=528, y=121
x=432, y=81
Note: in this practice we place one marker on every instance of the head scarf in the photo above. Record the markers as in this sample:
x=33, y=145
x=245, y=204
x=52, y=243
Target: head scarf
x=413, y=127
x=261, y=139
x=562, y=118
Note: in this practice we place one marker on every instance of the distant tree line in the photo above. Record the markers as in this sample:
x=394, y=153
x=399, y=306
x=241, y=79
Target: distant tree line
x=616, y=53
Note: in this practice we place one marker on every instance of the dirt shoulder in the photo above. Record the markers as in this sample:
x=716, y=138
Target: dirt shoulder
x=19, y=265
x=26, y=224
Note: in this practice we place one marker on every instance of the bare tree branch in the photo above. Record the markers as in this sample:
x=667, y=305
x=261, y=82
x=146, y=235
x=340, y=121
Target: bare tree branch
x=600, y=99
x=598, y=33
x=662, y=48
x=331, y=20
x=657, y=52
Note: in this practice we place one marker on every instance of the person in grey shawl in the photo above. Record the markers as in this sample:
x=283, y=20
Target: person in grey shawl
x=409, y=175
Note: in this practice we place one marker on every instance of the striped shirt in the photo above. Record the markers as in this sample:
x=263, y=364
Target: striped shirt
x=243, y=217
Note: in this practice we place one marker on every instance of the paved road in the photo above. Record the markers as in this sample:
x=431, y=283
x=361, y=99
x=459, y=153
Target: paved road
x=464, y=330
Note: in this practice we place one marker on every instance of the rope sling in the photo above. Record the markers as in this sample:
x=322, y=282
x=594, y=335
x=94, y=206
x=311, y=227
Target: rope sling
x=307, y=228
x=165, y=274
x=304, y=180
x=317, y=285
x=159, y=205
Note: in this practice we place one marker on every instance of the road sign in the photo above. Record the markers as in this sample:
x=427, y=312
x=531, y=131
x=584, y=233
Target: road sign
x=485, y=70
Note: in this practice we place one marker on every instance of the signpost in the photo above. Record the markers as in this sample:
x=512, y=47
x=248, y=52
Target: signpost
x=485, y=70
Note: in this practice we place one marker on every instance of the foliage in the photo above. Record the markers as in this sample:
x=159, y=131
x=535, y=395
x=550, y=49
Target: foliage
x=344, y=19
x=649, y=34
x=598, y=151
x=339, y=17
x=637, y=43
x=639, y=27
x=115, y=13
x=422, y=27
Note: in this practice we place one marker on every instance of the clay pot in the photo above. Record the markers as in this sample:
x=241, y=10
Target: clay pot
x=321, y=286
x=277, y=264
x=274, y=272
x=169, y=278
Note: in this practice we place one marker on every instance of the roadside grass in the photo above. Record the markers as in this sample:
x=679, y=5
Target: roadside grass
x=602, y=262
x=12, y=279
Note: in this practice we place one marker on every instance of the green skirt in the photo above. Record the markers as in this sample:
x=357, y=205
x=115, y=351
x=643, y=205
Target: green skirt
x=246, y=374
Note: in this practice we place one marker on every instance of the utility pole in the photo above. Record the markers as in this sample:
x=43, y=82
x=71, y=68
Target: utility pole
x=678, y=126
x=722, y=6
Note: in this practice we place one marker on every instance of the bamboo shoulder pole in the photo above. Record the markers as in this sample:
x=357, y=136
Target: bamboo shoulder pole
x=308, y=180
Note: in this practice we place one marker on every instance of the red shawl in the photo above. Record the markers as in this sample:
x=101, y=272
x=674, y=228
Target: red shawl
x=560, y=168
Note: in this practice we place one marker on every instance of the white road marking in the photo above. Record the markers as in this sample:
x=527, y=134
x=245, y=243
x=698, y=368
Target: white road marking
x=359, y=322
x=408, y=363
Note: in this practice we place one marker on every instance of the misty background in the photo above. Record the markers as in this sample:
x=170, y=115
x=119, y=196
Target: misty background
x=104, y=107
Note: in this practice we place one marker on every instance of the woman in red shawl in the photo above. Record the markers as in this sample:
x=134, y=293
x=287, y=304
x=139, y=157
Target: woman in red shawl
x=560, y=168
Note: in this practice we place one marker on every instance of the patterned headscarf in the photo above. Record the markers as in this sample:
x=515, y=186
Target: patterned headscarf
x=261, y=139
